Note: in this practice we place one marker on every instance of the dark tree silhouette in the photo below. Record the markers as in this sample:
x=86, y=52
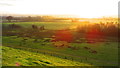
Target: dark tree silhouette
x=9, y=18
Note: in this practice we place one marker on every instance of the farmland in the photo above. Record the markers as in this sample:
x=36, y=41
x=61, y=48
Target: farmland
x=38, y=44
x=59, y=33
x=33, y=59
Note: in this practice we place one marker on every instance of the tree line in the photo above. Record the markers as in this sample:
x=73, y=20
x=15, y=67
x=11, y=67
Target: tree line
x=33, y=19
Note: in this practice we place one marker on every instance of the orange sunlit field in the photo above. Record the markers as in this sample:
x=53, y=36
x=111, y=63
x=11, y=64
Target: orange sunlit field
x=59, y=34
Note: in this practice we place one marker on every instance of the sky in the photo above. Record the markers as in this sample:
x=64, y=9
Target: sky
x=80, y=8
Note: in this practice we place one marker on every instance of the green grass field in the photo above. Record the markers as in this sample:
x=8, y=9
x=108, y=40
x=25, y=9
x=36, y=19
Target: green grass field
x=42, y=53
x=12, y=56
x=49, y=25
x=80, y=55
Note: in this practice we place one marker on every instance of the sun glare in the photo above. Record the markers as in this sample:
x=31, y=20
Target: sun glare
x=80, y=8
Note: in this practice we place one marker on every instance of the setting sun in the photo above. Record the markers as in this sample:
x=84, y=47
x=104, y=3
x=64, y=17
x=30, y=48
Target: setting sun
x=59, y=33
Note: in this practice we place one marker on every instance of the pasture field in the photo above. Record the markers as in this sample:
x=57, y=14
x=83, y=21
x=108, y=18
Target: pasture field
x=38, y=50
x=80, y=55
x=15, y=56
x=48, y=25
